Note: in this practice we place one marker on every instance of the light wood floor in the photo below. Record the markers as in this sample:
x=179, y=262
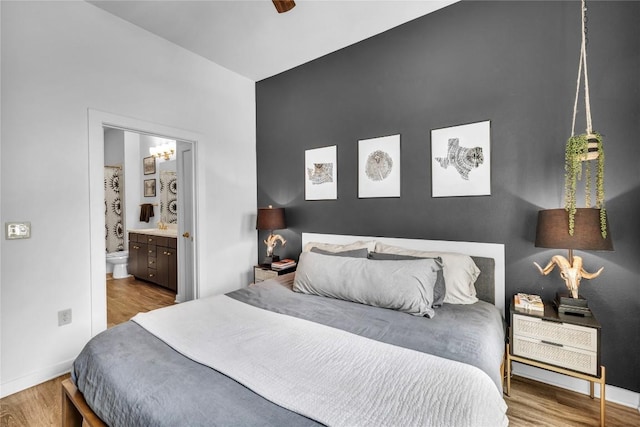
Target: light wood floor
x=40, y=406
x=530, y=404
x=536, y=404
x=128, y=297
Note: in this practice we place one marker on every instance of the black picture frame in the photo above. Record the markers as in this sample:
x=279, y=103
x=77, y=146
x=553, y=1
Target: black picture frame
x=149, y=165
x=150, y=188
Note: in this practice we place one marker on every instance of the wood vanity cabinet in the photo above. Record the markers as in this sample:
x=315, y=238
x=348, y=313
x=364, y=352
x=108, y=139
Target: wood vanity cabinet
x=167, y=263
x=154, y=259
x=137, y=263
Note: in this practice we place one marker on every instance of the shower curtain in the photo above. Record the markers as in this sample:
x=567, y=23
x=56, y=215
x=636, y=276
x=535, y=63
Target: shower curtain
x=168, y=197
x=114, y=229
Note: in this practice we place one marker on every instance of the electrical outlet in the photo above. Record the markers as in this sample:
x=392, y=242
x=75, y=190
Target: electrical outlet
x=64, y=317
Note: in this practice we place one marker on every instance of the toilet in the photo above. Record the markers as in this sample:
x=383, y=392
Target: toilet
x=119, y=261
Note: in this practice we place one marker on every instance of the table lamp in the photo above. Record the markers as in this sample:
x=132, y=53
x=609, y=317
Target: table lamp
x=552, y=231
x=271, y=219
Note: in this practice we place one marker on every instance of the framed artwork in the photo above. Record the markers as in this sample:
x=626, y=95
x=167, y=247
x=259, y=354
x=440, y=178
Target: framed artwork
x=149, y=188
x=461, y=160
x=149, y=165
x=321, y=174
x=379, y=167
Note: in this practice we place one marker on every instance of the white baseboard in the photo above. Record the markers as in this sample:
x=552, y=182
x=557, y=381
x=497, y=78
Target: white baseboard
x=613, y=394
x=35, y=378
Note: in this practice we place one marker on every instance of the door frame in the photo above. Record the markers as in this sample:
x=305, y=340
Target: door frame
x=97, y=121
x=185, y=153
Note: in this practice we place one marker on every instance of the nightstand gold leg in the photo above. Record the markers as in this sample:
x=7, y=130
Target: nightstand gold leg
x=591, y=394
x=603, y=401
x=508, y=371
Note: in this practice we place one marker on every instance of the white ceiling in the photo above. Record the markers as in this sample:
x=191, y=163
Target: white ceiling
x=252, y=39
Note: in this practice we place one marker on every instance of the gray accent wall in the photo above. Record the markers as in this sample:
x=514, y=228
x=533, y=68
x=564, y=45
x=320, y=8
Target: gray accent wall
x=511, y=62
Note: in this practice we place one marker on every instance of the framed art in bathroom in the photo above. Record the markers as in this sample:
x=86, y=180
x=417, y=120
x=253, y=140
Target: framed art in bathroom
x=149, y=188
x=149, y=165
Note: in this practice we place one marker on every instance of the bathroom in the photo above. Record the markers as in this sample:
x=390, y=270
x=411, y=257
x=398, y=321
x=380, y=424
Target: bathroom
x=140, y=191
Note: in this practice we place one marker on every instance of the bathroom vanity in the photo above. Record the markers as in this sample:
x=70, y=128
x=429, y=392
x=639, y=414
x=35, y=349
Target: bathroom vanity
x=153, y=256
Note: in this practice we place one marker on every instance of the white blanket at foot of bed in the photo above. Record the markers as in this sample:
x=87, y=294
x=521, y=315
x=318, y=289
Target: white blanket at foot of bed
x=329, y=375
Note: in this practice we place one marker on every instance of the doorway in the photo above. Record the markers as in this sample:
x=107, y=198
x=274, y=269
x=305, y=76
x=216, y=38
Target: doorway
x=188, y=284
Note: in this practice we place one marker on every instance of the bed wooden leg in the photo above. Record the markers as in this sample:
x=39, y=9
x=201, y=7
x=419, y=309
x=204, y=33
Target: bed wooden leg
x=75, y=410
x=70, y=415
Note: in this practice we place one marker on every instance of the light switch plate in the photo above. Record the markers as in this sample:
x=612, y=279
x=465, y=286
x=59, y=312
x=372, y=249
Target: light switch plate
x=17, y=230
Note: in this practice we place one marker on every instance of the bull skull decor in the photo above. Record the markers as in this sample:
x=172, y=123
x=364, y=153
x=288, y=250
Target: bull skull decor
x=571, y=273
x=271, y=242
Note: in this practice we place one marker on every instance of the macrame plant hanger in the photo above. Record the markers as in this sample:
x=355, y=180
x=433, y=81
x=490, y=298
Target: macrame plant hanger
x=581, y=149
x=582, y=69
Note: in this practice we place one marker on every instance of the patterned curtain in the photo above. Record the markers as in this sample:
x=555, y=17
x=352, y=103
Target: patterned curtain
x=168, y=197
x=114, y=229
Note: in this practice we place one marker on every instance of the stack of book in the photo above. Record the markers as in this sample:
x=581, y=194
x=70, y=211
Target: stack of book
x=528, y=302
x=283, y=264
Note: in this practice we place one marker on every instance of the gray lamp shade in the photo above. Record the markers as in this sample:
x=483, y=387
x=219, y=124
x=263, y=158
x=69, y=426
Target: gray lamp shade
x=270, y=219
x=552, y=230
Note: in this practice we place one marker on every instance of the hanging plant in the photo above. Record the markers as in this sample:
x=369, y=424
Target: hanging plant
x=580, y=152
x=584, y=149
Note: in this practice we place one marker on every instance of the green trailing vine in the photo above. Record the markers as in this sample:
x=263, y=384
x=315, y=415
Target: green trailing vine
x=575, y=153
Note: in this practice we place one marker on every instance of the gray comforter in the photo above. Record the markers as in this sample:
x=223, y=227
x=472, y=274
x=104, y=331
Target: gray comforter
x=131, y=378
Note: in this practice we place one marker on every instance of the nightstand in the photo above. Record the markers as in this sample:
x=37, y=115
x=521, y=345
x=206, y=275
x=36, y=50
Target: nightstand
x=262, y=273
x=562, y=343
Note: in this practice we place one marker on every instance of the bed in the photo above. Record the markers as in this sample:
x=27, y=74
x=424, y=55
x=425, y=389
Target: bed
x=269, y=355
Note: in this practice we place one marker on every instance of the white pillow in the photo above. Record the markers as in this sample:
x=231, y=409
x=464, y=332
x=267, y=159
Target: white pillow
x=460, y=272
x=405, y=285
x=332, y=247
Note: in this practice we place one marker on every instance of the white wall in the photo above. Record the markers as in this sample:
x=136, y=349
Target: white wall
x=146, y=142
x=132, y=181
x=60, y=59
x=113, y=147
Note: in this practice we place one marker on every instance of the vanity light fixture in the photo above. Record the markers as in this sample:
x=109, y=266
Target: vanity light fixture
x=166, y=150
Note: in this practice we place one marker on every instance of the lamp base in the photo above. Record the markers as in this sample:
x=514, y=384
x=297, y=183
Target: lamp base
x=566, y=304
x=268, y=260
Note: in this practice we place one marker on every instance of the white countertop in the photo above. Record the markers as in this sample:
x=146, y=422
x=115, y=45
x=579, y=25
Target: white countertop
x=169, y=232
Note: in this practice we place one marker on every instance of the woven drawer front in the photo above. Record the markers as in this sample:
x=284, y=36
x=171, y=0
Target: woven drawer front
x=571, y=358
x=261, y=274
x=558, y=333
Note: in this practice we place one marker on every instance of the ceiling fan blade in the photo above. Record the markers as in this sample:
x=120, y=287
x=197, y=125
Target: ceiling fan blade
x=284, y=5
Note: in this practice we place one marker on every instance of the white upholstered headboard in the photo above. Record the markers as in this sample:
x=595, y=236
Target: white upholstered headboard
x=486, y=250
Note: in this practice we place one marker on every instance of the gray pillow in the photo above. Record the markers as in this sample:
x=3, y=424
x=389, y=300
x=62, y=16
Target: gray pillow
x=353, y=253
x=405, y=285
x=439, y=289
x=459, y=270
